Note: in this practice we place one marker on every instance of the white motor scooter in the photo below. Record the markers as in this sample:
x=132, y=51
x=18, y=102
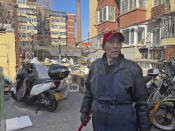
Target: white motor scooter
x=40, y=85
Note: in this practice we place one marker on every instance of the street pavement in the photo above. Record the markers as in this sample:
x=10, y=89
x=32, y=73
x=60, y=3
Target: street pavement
x=65, y=118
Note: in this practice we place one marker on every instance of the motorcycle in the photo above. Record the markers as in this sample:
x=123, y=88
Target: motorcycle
x=164, y=84
x=162, y=114
x=150, y=80
x=41, y=85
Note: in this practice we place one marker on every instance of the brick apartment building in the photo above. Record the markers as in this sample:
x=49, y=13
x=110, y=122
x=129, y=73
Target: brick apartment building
x=70, y=29
x=61, y=28
x=148, y=26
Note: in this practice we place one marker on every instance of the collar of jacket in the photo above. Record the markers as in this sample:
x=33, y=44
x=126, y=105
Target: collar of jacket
x=116, y=63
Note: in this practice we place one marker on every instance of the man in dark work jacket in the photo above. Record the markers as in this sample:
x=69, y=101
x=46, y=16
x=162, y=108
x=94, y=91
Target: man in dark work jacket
x=113, y=85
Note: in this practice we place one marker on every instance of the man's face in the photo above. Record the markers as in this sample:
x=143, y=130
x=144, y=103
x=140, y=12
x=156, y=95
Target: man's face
x=113, y=48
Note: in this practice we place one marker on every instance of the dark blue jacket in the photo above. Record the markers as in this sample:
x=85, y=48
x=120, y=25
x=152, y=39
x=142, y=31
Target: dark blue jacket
x=118, y=99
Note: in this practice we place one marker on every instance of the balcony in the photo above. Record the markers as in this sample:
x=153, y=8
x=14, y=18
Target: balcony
x=132, y=17
x=160, y=10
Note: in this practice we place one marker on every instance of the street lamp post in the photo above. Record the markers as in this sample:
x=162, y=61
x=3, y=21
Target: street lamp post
x=59, y=50
x=59, y=46
x=32, y=44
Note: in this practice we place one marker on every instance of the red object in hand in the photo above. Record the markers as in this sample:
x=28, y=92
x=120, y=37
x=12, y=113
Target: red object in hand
x=88, y=116
x=32, y=36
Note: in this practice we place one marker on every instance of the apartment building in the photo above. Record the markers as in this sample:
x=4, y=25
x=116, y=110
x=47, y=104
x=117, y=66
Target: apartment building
x=62, y=28
x=148, y=25
x=6, y=15
x=103, y=17
x=133, y=14
x=27, y=22
x=107, y=16
x=164, y=13
x=57, y=24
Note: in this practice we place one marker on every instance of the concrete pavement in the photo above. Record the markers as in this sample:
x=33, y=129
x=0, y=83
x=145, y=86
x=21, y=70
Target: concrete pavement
x=65, y=118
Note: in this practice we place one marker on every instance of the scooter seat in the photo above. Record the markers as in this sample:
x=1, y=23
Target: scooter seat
x=39, y=81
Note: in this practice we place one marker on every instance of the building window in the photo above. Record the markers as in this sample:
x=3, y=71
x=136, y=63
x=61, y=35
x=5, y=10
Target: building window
x=132, y=36
x=58, y=20
x=62, y=27
x=21, y=2
x=26, y=11
x=160, y=2
x=99, y=41
x=127, y=5
x=141, y=34
x=22, y=19
x=132, y=4
x=106, y=14
x=24, y=27
x=168, y=26
x=58, y=27
x=63, y=40
x=156, y=36
x=126, y=34
x=101, y=15
x=58, y=33
x=111, y=13
x=32, y=20
x=124, y=6
x=142, y=3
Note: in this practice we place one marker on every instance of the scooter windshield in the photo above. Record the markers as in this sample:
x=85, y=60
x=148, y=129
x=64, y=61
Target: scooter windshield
x=42, y=71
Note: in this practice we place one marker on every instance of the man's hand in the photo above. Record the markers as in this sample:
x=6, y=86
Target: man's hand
x=83, y=118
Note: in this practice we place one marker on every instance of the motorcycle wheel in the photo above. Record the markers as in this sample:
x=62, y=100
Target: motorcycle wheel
x=53, y=106
x=164, y=120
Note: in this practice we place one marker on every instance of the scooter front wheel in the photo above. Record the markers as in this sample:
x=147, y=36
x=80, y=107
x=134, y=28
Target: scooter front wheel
x=53, y=105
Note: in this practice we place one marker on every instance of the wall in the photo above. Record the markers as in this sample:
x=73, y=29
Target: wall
x=149, y=7
x=107, y=25
x=169, y=52
x=56, y=36
x=131, y=53
x=92, y=18
x=70, y=29
x=7, y=54
x=132, y=17
x=172, y=5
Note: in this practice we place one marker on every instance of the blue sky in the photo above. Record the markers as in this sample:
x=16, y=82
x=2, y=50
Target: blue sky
x=71, y=6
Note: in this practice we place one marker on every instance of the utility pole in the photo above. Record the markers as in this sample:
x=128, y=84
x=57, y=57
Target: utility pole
x=16, y=35
x=2, y=114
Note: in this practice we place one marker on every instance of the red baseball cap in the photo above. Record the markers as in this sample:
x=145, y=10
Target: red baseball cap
x=107, y=36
